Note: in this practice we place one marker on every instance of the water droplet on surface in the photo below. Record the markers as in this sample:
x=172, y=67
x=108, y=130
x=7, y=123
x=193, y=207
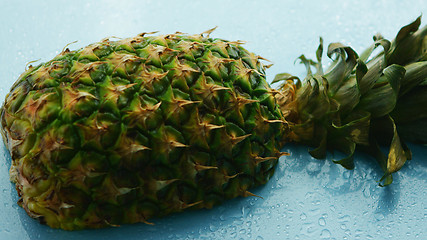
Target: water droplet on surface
x=346, y=174
x=259, y=238
x=213, y=228
x=322, y=221
x=379, y=216
x=309, y=194
x=366, y=193
x=325, y=233
x=303, y=216
x=345, y=218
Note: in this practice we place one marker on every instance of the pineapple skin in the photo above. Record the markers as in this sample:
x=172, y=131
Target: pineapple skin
x=124, y=131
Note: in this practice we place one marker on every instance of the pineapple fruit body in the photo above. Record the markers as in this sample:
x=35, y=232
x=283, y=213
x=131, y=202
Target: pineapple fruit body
x=123, y=131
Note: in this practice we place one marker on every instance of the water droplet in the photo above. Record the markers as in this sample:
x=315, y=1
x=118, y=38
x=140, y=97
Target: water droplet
x=366, y=193
x=325, y=233
x=322, y=221
x=379, y=216
x=259, y=238
x=213, y=228
x=345, y=218
x=303, y=216
x=233, y=235
x=346, y=174
x=314, y=211
x=309, y=195
x=242, y=231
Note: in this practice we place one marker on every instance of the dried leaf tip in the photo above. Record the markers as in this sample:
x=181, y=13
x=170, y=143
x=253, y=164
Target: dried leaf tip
x=208, y=32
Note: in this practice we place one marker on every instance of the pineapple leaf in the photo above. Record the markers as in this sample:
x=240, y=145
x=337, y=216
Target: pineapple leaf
x=382, y=98
x=348, y=147
x=416, y=74
x=343, y=65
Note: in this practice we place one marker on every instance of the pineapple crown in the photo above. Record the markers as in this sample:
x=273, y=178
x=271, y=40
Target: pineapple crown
x=361, y=100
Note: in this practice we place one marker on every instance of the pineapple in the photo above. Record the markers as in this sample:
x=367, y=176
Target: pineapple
x=124, y=131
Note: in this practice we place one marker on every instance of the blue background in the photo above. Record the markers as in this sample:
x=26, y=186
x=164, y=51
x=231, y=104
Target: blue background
x=306, y=198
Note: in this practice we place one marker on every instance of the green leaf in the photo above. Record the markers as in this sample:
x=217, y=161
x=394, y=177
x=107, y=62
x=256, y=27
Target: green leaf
x=284, y=77
x=387, y=179
x=344, y=64
x=356, y=129
x=375, y=66
x=348, y=95
x=347, y=147
x=415, y=131
x=386, y=44
x=394, y=74
x=313, y=102
x=320, y=151
x=361, y=70
x=382, y=99
x=408, y=30
x=416, y=74
x=409, y=45
x=370, y=78
x=364, y=56
x=397, y=155
x=412, y=106
x=385, y=131
x=319, y=54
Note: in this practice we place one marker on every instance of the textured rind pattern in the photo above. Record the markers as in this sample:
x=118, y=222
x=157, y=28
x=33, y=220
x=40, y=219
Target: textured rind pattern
x=124, y=131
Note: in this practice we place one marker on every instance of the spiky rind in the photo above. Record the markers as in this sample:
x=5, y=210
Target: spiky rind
x=124, y=131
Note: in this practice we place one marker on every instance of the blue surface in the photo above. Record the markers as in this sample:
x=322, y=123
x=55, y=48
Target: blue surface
x=306, y=198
